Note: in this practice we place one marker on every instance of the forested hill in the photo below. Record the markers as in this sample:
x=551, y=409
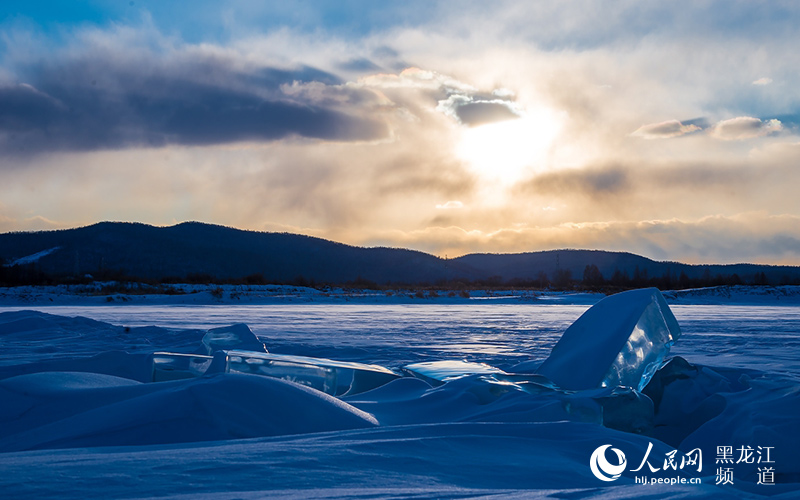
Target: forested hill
x=195, y=251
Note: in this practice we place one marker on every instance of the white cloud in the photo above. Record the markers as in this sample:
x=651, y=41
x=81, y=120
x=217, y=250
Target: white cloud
x=745, y=127
x=415, y=78
x=763, y=81
x=664, y=130
x=450, y=205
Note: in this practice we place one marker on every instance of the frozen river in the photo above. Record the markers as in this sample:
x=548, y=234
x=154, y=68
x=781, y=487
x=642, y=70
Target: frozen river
x=80, y=421
x=756, y=336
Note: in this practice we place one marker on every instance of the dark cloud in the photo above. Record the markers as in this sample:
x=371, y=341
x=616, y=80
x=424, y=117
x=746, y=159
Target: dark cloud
x=23, y=108
x=359, y=64
x=101, y=102
x=596, y=182
x=472, y=108
x=479, y=113
x=699, y=176
x=273, y=77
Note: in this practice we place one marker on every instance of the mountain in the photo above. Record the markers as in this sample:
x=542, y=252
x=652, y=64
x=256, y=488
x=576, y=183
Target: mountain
x=196, y=251
x=635, y=267
x=217, y=252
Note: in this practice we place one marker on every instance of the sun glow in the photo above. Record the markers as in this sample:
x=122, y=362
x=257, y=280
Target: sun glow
x=507, y=151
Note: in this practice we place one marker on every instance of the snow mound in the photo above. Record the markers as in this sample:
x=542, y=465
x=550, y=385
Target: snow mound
x=33, y=336
x=65, y=410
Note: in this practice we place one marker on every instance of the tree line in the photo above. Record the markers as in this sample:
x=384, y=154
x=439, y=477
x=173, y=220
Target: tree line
x=592, y=279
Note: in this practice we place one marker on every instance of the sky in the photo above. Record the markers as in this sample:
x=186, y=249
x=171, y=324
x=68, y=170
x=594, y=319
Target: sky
x=666, y=129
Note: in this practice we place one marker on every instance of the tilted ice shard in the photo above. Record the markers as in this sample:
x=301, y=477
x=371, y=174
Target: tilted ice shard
x=336, y=378
x=621, y=340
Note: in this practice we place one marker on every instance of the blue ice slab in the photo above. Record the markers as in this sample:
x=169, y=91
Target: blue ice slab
x=336, y=378
x=620, y=341
x=438, y=372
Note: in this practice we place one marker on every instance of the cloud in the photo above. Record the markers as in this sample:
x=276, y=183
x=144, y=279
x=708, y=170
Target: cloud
x=473, y=109
x=665, y=130
x=463, y=102
x=418, y=78
x=745, y=127
x=90, y=98
x=450, y=205
x=383, y=157
x=750, y=237
x=763, y=81
x=603, y=181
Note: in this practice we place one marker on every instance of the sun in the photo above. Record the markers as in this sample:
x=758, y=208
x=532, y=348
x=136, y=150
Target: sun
x=509, y=150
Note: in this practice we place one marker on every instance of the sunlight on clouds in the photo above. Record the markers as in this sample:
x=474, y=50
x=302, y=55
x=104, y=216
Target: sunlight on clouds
x=506, y=151
x=713, y=239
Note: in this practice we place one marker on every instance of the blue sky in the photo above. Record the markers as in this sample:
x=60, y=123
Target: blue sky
x=668, y=129
x=218, y=22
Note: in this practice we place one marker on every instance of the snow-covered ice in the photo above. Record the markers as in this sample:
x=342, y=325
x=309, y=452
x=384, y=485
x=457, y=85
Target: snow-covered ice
x=81, y=415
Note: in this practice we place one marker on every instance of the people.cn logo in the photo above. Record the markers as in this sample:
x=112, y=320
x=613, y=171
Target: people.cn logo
x=602, y=468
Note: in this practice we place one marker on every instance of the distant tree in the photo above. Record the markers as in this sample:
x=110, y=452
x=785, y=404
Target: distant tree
x=683, y=280
x=620, y=278
x=493, y=281
x=361, y=282
x=563, y=279
x=255, y=279
x=200, y=278
x=592, y=276
x=640, y=277
x=542, y=281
